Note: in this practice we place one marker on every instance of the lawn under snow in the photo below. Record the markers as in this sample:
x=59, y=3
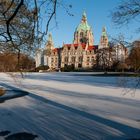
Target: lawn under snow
x=68, y=106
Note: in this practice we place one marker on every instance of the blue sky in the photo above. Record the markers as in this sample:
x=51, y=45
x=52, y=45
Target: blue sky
x=98, y=15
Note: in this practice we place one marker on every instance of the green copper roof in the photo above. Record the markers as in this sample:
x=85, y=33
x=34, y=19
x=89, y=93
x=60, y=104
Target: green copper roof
x=50, y=37
x=104, y=34
x=84, y=14
x=83, y=26
x=104, y=31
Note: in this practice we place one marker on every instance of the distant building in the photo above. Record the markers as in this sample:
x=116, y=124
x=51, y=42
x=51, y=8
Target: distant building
x=49, y=56
x=81, y=53
x=119, y=53
x=104, y=39
x=39, y=57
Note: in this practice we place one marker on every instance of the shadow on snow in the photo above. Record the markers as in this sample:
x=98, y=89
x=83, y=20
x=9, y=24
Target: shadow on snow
x=76, y=116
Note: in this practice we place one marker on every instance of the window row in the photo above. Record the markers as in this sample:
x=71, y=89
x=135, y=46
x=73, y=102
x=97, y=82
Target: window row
x=54, y=59
x=80, y=59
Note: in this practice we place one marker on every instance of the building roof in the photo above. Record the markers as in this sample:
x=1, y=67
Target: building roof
x=104, y=32
x=56, y=49
x=83, y=46
x=84, y=24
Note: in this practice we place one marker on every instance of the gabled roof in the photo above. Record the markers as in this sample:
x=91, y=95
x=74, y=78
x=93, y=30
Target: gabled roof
x=56, y=49
x=83, y=46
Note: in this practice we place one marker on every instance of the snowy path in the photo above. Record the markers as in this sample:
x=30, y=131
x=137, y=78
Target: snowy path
x=62, y=106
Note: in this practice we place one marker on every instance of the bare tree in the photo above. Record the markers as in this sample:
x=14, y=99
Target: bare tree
x=21, y=23
x=8, y=62
x=104, y=58
x=134, y=57
x=126, y=12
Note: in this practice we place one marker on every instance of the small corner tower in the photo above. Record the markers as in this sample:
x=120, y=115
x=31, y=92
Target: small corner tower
x=103, y=39
x=49, y=44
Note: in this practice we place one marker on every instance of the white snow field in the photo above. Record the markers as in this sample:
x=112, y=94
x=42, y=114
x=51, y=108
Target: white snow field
x=68, y=106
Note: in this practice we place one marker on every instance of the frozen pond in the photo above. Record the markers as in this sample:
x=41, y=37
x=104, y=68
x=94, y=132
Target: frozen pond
x=68, y=106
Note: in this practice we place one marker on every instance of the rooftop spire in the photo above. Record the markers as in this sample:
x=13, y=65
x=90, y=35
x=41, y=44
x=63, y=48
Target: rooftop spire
x=50, y=37
x=50, y=44
x=104, y=31
x=104, y=39
x=84, y=14
x=84, y=17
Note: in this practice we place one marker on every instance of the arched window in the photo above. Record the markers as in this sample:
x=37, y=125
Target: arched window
x=81, y=34
x=66, y=59
x=80, y=59
x=92, y=60
x=73, y=59
x=79, y=65
x=88, y=59
x=65, y=65
x=86, y=33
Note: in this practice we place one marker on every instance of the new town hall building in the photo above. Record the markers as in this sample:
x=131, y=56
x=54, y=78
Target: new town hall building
x=82, y=53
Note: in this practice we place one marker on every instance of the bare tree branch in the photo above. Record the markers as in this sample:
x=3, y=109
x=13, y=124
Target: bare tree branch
x=11, y=18
x=126, y=12
x=8, y=7
x=52, y=14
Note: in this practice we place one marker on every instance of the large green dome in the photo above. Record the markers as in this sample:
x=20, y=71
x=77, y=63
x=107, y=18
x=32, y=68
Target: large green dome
x=83, y=26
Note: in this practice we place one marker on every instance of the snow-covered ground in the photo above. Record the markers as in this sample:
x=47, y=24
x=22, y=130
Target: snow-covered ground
x=68, y=106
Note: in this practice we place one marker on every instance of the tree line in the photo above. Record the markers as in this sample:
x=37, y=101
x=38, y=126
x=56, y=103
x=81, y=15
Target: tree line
x=21, y=22
x=8, y=62
x=110, y=59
